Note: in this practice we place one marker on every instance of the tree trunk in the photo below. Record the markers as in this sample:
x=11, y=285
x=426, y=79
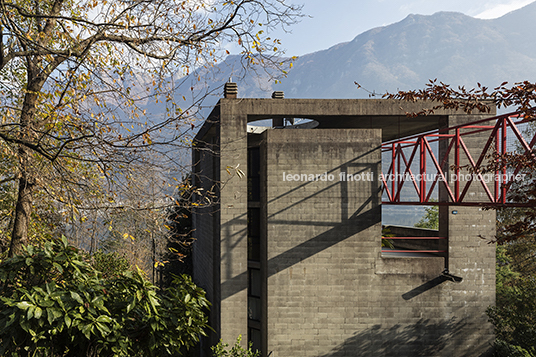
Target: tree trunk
x=23, y=208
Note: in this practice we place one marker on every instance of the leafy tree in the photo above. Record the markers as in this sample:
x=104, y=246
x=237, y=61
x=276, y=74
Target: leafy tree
x=222, y=350
x=387, y=243
x=110, y=264
x=506, y=276
x=430, y=219
x=73, y=75
x=514, y=317
x=521, y=249
x=138, y=235
x=55, y=303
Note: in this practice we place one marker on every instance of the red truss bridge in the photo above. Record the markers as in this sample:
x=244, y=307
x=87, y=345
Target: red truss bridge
x=417, y=172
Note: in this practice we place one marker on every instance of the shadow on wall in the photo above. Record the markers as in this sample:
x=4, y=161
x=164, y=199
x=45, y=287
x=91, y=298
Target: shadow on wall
x=424, y=338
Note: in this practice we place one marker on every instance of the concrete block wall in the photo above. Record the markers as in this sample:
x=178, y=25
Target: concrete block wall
x=203, y=220
x=233, y=225
x=205, y=225
x=322, y=238
x=470, y=255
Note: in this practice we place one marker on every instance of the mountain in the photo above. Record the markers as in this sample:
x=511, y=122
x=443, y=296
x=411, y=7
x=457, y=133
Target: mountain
x=452, y=47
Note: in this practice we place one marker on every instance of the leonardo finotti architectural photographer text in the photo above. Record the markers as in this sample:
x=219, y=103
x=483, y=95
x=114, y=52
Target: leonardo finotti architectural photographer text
x=369, y=176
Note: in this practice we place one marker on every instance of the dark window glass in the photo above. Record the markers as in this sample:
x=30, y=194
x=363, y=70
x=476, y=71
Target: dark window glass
x=254, y=294
x=254, y=232
x=254, y=308
x=254, y=174
x=255, y=339
x=255, y=282
x=254, y=165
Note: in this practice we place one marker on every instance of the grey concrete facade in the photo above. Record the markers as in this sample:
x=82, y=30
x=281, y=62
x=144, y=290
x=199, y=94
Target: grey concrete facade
x=325, y=289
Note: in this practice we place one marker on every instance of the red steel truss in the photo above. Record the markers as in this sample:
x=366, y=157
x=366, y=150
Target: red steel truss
x=412, y=171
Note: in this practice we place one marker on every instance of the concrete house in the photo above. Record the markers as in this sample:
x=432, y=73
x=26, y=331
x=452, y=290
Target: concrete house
x=290, y=253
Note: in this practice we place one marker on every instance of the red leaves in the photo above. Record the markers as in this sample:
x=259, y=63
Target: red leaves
x=521, y=96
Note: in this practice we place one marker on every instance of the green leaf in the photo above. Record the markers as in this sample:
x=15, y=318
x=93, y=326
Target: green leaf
x=104, y=330
x=57, y=313
x=12, y=319
x=58, y=267
x=38, y=312
x=68, y=320
x=51, y=287
x=47, y=302
x=76, y=297
x=30, y=312
x=131, y=305
x=104, y=318
x=86, y=330
x=50, y=316
x=23, y=305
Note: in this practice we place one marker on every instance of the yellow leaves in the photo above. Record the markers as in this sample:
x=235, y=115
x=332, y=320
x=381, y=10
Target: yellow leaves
x=238, y=171
x=126, y=236
x=157, y=264
x=147, y=138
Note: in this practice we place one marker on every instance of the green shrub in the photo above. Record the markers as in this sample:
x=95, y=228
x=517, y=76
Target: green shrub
x=221, y=350
x=110, y=264
x=504, y=349
x=53, y=302
x=514, y=318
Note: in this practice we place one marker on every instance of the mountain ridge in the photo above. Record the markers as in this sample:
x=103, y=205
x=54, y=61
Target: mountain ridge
x=453, y=47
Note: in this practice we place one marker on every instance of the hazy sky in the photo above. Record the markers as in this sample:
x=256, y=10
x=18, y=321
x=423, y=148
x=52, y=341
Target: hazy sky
x=336, y=21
